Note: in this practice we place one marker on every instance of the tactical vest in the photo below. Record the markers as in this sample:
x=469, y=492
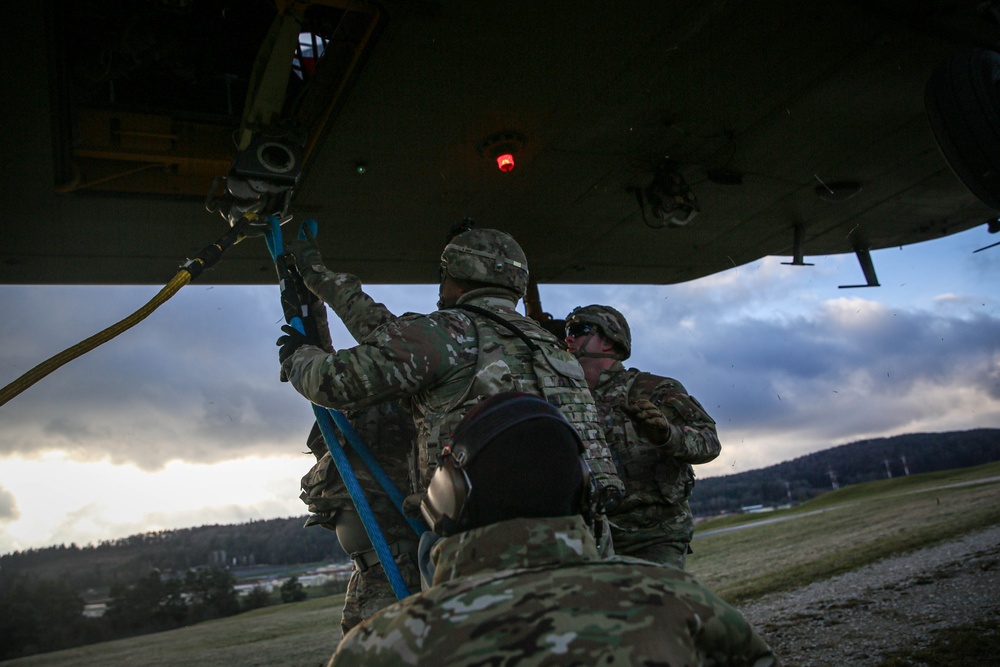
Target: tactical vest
x=505, y=362
x=645, y=470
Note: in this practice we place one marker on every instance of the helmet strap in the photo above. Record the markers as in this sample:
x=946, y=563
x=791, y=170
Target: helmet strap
x=581, y=352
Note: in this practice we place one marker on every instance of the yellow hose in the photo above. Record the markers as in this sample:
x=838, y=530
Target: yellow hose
x=193, y=268
x=182, y=278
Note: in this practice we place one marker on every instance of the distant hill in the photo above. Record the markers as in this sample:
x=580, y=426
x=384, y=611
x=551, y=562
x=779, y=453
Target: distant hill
x=864, y=461
x=269, y=542
x=285, y=541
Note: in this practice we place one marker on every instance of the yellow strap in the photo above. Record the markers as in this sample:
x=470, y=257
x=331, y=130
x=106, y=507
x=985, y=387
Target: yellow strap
x=182, y=278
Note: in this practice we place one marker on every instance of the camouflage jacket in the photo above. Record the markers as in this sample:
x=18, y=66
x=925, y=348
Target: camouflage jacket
x=445, y=363
x=535, y=592
x=360, y=313
x=387, y=430
x=658, y=481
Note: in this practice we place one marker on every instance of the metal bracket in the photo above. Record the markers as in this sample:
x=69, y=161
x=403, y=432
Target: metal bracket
x=797, y=242
x=867, y=267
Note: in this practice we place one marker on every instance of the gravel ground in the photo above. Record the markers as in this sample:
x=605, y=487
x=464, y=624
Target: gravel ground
x=855, y=618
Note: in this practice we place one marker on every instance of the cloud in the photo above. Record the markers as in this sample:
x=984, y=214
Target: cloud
x=784, y=361
x=197, y=380
x=772, y=362
x=786, y=376
x=851, y=371
x=101, y=500
x=8, y=506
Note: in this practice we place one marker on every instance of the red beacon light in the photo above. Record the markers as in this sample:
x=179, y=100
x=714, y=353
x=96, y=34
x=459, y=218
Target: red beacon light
x=502, y=147
x=505, y=162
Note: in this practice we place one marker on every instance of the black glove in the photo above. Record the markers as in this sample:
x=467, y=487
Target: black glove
x=291, y=341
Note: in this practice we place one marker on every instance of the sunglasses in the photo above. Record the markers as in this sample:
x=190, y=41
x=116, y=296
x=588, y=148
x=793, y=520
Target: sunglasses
x=577, y=329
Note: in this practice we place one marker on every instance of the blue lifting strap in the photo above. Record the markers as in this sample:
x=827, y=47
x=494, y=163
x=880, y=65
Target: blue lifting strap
x=328, y=420
x=308, y=231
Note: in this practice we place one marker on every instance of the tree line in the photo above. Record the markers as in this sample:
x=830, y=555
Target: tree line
x=42, y=590
x=100, y=566
x=865, y=461
x=38, y=616
x=286, y=542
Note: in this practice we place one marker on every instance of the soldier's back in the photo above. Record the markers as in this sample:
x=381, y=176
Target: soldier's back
x=605, y=613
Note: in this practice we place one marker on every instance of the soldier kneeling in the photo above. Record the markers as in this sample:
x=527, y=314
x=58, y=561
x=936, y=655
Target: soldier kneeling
x=518, y=579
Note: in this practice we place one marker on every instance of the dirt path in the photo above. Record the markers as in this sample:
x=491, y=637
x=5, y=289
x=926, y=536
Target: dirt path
x=853, y=619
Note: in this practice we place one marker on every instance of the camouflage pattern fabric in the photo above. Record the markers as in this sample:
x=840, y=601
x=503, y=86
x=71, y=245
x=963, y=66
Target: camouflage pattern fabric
x=388, y=431
x=434, y=361
x=369, y=591
x=654, y=520
x=487, y=256
x=343, y=293
x=534, y=592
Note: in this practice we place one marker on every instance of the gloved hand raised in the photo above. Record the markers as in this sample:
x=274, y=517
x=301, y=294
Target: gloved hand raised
x=291, y=341
x=306, y=255
x=652, y=424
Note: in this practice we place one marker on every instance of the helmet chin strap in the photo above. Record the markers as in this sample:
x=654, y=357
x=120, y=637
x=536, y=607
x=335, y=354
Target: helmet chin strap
x=443, y=301
x=582, y=353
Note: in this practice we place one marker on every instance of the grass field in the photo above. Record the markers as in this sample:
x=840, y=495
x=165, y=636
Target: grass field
x=834, y=533
x=842, y=530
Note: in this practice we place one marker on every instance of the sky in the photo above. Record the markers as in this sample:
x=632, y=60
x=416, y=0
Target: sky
x=182, y=421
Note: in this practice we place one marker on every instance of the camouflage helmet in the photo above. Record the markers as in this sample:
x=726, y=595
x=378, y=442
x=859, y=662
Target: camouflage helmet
x=486, y=256
x=613, y=325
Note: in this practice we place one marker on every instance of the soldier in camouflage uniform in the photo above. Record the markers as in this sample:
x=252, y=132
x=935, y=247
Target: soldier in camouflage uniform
x=521, y=582
x=655, y=431
x=443, y=363
x=388, y=430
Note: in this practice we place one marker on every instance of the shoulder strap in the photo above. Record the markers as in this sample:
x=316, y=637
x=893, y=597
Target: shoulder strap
x=499, y=320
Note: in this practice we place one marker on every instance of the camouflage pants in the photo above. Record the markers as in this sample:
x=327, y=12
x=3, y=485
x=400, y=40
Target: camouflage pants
x=654, y=535
x=664, y=553
x=369, y=590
